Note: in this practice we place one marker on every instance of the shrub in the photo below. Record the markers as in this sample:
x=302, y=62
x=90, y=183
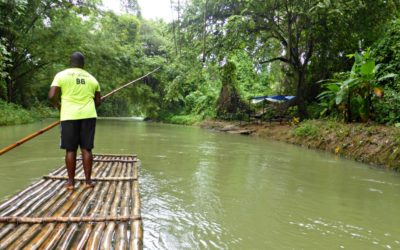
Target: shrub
x=12, y=114
x=307, y=129
x=184, y=119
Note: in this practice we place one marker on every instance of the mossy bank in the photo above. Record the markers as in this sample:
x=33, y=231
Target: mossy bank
x=368, y=143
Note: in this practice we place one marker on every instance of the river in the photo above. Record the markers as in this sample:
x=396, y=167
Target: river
x=209, y=190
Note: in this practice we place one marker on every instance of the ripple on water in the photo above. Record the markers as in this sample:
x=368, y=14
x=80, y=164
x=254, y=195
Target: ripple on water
x=341, y=230
x=168, y=224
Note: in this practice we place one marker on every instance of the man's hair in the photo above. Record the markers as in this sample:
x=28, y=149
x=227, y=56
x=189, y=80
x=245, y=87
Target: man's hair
x=77, y=60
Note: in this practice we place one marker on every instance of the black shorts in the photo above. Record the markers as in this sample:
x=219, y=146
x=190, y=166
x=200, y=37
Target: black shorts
x=78, y=132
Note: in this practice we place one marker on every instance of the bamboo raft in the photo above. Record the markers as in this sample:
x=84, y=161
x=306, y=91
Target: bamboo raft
x=45, y=215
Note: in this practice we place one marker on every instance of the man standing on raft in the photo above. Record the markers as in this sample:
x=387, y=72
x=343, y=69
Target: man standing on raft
x=80, y=95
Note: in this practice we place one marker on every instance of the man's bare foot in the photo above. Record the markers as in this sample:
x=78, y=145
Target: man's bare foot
x=69, y=185
x=89, y=184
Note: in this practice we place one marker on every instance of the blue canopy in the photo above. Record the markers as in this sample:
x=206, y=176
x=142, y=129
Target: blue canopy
x=272, y=98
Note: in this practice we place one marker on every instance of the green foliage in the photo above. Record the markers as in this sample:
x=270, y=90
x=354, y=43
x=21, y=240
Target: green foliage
x=353, y=96
x=387, y=108
x=184, y=119
x=306, y=129
x=314, y=110
x=387, y=54
x=12, y=114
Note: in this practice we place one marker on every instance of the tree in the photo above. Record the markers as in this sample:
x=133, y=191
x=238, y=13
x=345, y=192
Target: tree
x=229, y=101
x=300, y=34
x=131, y=7
x=25, y=30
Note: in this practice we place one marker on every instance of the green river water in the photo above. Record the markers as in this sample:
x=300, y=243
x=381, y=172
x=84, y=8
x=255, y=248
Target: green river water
x=209, y=190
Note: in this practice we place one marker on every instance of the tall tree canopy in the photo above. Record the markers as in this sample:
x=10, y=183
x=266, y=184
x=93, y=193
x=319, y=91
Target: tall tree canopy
x=275, y=47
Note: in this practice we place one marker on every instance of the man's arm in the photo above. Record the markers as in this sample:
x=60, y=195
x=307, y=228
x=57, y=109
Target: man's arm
x=97, y=98
x=54, y=96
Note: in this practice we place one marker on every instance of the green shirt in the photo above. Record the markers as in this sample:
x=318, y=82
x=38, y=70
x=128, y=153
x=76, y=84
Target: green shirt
x=77, y=94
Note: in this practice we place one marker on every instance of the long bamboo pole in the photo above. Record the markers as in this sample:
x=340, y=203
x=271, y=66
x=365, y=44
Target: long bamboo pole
x=111, y=178
x=33, y=135
x=112, y=160
x=57, y=219
x=121, y=238
x=136, y=236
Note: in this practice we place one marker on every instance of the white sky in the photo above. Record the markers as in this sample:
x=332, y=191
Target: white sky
x=151, y=9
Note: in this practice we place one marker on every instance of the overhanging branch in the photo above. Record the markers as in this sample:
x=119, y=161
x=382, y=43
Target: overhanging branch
x=282, y=59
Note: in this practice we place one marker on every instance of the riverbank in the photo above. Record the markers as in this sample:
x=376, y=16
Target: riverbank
x=368, y=143
x=13, y=114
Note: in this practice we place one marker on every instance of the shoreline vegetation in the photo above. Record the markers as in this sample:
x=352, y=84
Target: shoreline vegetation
x=14, y=114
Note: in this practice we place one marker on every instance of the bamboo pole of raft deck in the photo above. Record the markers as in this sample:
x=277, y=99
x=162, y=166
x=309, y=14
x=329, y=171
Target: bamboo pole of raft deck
x=116, y=160
x=33, y=135
x=136, y=239
x=62, y=220
x=121, y=239
x=47, y=207
x=116, y=155
x=96, y=197
x=97, y=232
x=112, y=178
x=85, y=231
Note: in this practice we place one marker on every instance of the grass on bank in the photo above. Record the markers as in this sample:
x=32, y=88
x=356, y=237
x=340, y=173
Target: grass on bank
x=183, y=119
x=365, y=142
x=13, y=114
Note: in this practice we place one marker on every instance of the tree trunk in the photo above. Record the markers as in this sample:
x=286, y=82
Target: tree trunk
x=301, y=91
x=204, y=31
x=229, y=102
x=9, y=90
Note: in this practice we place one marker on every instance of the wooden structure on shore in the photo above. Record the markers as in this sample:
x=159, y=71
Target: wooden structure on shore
x=46, y=215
